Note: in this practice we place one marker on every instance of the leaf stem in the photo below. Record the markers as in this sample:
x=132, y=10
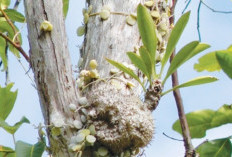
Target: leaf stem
x=18, y=47
x=9, y=22
x=189, y=149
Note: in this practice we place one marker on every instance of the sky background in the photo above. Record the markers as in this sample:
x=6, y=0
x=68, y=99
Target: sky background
x=216, y=30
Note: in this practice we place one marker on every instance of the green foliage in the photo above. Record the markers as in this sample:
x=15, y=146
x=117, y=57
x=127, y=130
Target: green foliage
x=209, y=61
x=147, y=30
x=181, y=56
x=147, y=61
x=174, y=37
x=126, y=70
x=4, y=3
x=14, y=15
x=6, y=28
x=6, y=152
x=7, y=100
x=65, y=7
x=215, y=148
x=27, y=150
x=12, y=129
x=201, y=121
x=186, y=53
x=2, y=53
x=194, y=82
x=138, y=62
x=225, y=61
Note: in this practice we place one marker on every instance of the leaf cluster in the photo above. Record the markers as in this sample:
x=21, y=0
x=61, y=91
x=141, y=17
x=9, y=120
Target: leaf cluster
x=146, y=62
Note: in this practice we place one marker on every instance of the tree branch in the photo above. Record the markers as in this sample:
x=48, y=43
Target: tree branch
x=189, y=149
x=18, y=47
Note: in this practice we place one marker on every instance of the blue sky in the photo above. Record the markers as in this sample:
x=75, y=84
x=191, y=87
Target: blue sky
x=216, y=30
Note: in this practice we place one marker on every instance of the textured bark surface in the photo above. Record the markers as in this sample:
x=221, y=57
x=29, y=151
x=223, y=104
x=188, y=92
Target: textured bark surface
x=51, y=64
x=121, y=119
x=110, y=38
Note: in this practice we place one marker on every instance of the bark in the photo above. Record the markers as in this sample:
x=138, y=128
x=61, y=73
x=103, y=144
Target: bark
x=51, y=64
x=122, y=121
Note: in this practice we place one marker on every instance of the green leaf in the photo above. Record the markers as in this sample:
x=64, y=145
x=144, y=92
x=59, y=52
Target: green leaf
x=201, y=121
x=5, y=27
x=3, y=54
x=207, y=62
x=7, y=100
x=65, y=7
x=27, y=150
x=6, y=149
x=4, y=3
x=126, y=70
x=13, y=129
x=148, y=62
x=147, y=30
x=225, y=61
x=200, y=47
x=194, y=82
x=215, y=148
x=174, y=37
x=180, y=58
x=138, y=62
x=15, y=15
x=6, y=152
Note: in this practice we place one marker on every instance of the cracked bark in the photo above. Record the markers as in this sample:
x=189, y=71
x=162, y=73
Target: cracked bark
x=51, y=65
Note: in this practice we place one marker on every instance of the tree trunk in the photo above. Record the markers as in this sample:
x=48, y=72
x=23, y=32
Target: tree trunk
x=51, y=65
x=122, y=121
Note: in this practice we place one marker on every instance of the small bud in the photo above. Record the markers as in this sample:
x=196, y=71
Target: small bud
x=72, y=107
x=86, y=18
x=94, y=74
x=130, y=20
x=80, y=138
x=83, y=101
x=149, y=3
x=90, y=139
x=105, y=13
x=92, y=129
x=77, y=124
x=86, y=132
x=102, y=151
x=155, y=14
x=46, y=26
x=80, y=31
x=83, y=119
x=93, y=64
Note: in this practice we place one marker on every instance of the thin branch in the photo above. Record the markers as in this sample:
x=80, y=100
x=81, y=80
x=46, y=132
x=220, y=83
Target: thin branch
x=7, y=69
x=186, y=6
x=189, y=149
x=17, y=2
x=213, y=10
x=198, y=20
x=171, y=137
x=18, y=47
x=8, y=20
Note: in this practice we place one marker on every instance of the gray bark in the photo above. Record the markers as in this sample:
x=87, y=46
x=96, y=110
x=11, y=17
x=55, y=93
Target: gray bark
x=121, y=119
x=51, y=65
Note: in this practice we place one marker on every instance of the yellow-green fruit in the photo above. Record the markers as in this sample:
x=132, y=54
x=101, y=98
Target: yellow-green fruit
x=93, y=64
x=46, y=26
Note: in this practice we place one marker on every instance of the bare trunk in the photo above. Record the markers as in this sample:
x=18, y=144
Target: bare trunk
x=51, y=65
x=122, y=121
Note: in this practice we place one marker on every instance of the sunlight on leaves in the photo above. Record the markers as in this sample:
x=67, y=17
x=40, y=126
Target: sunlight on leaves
x=7, y=100
x=27, y=150
x=174, y=37
x=201, y=121
x=225, y=61
x=215, y=148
